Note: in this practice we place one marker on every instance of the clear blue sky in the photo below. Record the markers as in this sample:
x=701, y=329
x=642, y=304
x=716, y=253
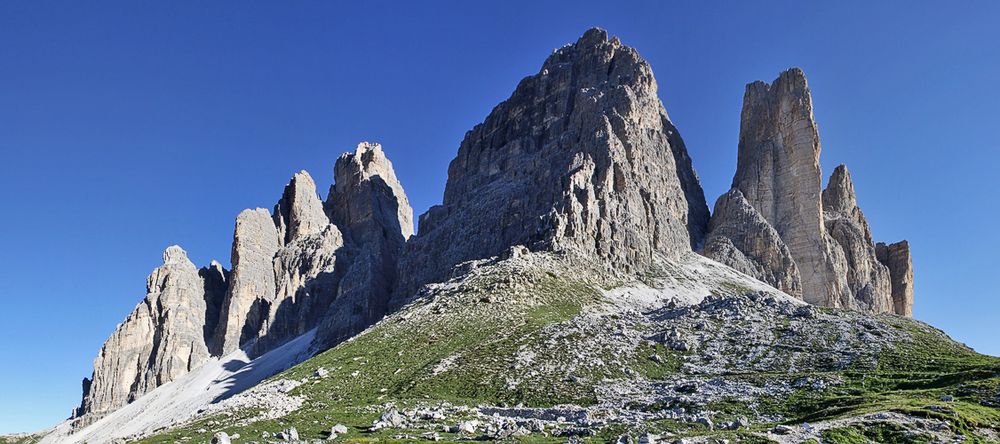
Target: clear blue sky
x=129, y=126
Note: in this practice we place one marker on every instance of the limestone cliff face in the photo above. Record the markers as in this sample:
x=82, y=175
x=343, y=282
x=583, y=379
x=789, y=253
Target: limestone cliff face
x=161, y=340
x=305, y=267
x=897, y=258
x=867, y=278
x=252, y=287
x=779, y=174
x=581, y=158
x=742, y=239
x=369, y=204
x=833, y=256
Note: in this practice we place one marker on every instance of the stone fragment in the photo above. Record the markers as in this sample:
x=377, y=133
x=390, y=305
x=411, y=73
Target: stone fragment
x=221, y=438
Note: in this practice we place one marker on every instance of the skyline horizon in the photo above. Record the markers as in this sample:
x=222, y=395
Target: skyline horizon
x=207, y=144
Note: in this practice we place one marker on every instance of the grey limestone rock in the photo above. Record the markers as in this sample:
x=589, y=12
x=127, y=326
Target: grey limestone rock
x=779, y=174
x=161, y=340
x=252, y=283
x=305, y=267
x=867, y=278
x=897, y=258
x=582, y=158
x=369, y=204
x=741, y=238
x=299, y=212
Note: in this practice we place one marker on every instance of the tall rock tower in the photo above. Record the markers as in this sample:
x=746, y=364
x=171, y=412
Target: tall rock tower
x=788, y=215
x=581, y=158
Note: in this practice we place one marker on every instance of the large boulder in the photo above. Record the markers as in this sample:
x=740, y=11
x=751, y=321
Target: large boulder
x=582, y=158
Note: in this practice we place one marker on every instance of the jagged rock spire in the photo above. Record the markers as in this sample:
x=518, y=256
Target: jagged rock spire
x=299, y=212
x=252, y=287
x=779, y=174
x=867, y=278
x=369, y=204
x=581, y=158
x=161, y=340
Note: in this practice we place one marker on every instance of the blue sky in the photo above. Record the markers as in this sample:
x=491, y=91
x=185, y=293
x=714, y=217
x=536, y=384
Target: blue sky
x=129, y=126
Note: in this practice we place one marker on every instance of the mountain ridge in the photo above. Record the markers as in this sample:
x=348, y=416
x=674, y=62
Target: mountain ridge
x=580, y=163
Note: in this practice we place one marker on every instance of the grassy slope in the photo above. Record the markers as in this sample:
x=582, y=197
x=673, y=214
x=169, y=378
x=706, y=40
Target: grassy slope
x=481, y=325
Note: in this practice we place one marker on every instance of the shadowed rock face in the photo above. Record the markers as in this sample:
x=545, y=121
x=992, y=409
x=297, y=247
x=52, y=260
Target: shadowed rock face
x=897, y=258
x=581, y=158
x=740, y=238
x=305, y=267
x=368, y=203
x=867, y=278
x=161, y=340
x=252, y=286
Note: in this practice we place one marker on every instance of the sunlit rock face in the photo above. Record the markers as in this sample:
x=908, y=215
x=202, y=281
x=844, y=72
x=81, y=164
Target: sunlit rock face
x=162, y=339
x=581, y=158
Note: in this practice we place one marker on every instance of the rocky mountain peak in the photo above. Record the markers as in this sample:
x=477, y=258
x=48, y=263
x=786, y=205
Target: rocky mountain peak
x=368, y=173
x=839, y=193
x=175, y=255
x=581, y=158
x=778, y=172
x=173, y=314
x=299, y=212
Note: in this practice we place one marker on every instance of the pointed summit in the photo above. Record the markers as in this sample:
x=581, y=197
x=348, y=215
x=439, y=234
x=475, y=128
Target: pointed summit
x=839, y=193
x=581, y=158
x=162, y=339
x=300, y=211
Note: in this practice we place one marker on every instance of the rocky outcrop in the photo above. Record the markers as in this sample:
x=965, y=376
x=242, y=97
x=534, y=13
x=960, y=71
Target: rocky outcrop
x=900, y=264
x=161, y=340
x=369, y=204
x=305, y=268
x=779, y=174
x=582, y=158
x=252, y=288
x=742, y=239
x=299, y=213
x=867, y=278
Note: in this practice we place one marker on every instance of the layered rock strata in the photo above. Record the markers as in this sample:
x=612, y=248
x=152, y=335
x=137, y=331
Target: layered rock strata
x=161, y=340
x=867, y=278
x=369, y=204
x=742, y=239
x=834, y=261
x=897, y=259
x=582, y=158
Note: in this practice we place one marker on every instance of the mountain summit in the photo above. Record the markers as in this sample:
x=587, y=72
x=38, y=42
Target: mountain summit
x=571, y=286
